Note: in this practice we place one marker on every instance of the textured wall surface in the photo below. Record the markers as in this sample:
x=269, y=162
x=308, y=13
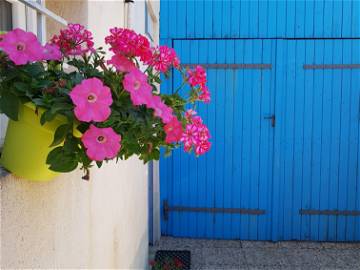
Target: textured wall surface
x=68, y=222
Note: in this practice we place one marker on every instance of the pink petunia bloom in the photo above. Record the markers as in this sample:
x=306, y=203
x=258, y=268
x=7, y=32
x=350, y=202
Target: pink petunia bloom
x=101, y=143
x=74, y=40
x=202, y=147
x=121, y=63
x=197, y=76
x=135, y=82
x=173, y=130
x=161, y=110
x=51, y=52
x=21, y=47
x=92, y=100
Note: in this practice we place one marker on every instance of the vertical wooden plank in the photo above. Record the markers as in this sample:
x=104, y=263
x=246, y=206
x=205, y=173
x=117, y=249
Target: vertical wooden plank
x=335, y=138
x=254, y=18
x=217, y=19
x=164, y=21
x=211, y=156
x=199, y=10
x=278, y=178
x=316, y=137
x=228, y=176
x=337, y=19
x=244, y=19
x=281, y=16
x=272, y=19
x=344, y=180
x=190, y=18
x=298, y=164
x=246, y=139
x=202, y=160
x=328, y=18
x=309, y=19
x=290, y=18
x=326, y=142
x=346, y=19
x=255, y=139
x=300, y=18
x=238, y=138
x=289, y=140
x=208, y=19
x=263, y=19
x=318, y=19
x=226, y=19
x=308, y=140
x=220, y=138
x=235, y=19
x=180, y=19
x=266, y=143
x=355, y=18
x=171, y=19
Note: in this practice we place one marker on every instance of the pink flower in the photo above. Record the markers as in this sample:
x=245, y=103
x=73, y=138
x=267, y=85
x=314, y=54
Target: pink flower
x=135, y=82
x=161, y=110
x=51, y=52
x=190, y=135
x=74, y=40
x=101, y=143
x=196, y=135
x=92, y=100
x=128, y=43
x=189, y=114
x=197, y=76
x=173, y=130
x=205, y=94
x=121, y=63
x=21, y=47
x=163, y=57
x=202, y=147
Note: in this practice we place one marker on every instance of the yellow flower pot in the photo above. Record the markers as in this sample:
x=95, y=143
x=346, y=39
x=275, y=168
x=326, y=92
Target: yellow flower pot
x=27, y=144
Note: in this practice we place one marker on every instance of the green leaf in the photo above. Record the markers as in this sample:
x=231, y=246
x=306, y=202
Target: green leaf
x=20, y=86
x=60, y=161
x=47, y=116
x=60, y=134
x=9, y=104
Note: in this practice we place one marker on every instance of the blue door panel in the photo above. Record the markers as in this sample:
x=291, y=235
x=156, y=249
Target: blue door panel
x=318, y=140
x=308, y=161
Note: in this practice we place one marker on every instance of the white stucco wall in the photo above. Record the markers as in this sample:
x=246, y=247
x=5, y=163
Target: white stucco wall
x=69, y=222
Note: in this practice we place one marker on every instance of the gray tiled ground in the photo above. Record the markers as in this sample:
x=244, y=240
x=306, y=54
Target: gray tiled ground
x=228, y=255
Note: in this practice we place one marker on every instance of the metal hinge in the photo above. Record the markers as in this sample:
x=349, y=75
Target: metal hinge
x=244, y=211
x=329, y=212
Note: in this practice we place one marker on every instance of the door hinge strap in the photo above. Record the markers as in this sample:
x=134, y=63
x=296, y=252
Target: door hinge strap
x=329, y=212
x=244, y=211
x=230, y=66
x=333, y=66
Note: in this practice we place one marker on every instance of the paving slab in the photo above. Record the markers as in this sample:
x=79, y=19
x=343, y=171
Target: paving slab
x=228, y=255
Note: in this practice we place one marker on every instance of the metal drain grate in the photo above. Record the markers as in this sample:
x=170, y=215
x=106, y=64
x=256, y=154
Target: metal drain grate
x=184, y=256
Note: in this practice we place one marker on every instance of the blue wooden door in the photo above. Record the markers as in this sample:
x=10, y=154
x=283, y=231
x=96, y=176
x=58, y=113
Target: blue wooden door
x=316, y=181
x=296, y=180
x=237, y=173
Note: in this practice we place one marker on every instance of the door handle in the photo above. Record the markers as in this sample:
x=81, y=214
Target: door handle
x=272, y=118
